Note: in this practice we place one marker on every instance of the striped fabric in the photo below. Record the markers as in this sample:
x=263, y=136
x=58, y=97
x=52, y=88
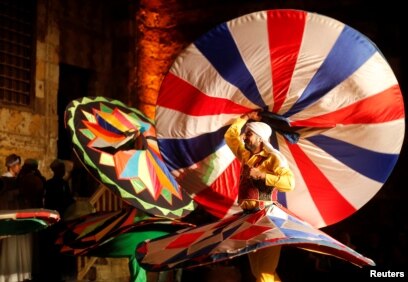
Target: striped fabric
x=328, y=81
x=237, y=235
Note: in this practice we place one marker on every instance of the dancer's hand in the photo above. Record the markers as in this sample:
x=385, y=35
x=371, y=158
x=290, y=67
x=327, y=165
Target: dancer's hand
x=254, y=115
x=256, y=173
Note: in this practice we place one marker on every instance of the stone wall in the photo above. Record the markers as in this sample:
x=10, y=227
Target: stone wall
x=75, y=33
x=32, y=132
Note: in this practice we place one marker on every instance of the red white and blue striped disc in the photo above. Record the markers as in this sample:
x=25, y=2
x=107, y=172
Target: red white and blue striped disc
x=326, y=81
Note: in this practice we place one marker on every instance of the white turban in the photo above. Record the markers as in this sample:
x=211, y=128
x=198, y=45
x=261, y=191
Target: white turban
x=264, y=131
x=261, y=129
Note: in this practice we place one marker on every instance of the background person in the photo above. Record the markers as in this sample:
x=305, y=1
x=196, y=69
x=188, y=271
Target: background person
x=31, y=185
x=54, y=266
x=15, y=251
x=13, y=165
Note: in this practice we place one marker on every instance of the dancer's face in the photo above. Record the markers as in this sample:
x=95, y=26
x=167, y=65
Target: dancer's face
x=252, y=141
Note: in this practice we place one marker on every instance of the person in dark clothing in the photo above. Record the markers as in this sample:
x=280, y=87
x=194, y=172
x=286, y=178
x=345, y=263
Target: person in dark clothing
x=58, y=194
x=55, y=266
x=31, y=184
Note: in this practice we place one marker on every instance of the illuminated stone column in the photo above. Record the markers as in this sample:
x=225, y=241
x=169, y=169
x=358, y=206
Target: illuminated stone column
x=158, y=44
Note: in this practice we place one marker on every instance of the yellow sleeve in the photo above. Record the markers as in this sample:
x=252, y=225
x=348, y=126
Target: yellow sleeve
x=282, y=179
x=233, y=139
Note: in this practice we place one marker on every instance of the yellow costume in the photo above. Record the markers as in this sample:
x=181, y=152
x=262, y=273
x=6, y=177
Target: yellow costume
x=256, y=193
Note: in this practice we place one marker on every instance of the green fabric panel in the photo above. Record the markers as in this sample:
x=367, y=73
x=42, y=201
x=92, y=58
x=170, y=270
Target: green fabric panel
x=125, y=244
x=21, y=226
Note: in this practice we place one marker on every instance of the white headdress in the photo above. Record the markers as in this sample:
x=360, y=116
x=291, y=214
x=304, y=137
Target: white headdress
x=264, y=131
